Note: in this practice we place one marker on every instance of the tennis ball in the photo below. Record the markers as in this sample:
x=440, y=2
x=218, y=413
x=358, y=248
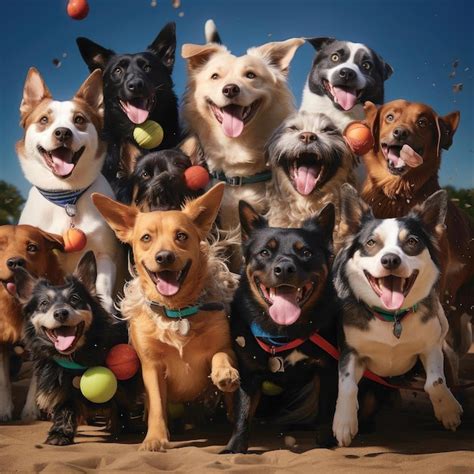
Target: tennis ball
x=175, y=410
x=148, y=135
x=98, y=384
x=270, y=388
x=196, y=177
x=359, y=137
x=123, y=361
x=74, y=240
x=78, y=9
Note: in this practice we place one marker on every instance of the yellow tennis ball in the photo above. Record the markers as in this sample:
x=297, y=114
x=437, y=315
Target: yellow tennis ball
x=98, y=384
x=148, y=135
x=270, y=388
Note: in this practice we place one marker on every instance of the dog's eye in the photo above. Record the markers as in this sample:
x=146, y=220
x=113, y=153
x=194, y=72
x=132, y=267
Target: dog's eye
x=43, y=120
x=43, y=306
x=146, y=238
x=370, y=243
x=389, y=117
x=147, y=68
x=367, y=65
x=412, y=241
x=74, y=299
x=264, y=253
x=328, y=130
x=307, y=253
x=293, y=128
x=79, y=119
x=145, y=174
x=215, y=76
x=335, y=57
x=32, y=248
x=422, y=123
x=250, y=75
x=118, y=71
x=181, y=236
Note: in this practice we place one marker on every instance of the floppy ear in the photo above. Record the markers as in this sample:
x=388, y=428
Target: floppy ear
x=164, y=45
x=324, y=220
x=86, y=271
x=278, y=54
x=24, y=284
x=121, y=218
x=34, y=92
x=353, y=211
x=249, y=220
x=432, y=212
x=94, y=55
x=447, y=128
x=317, y=43
x=197, y=55
x=91, y=91
x=372, y=118
x=55, y=241
x=203, y=210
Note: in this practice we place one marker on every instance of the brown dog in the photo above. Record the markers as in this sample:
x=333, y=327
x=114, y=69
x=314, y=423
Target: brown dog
x=32, y=248
x=402, y=172
x=175, y=305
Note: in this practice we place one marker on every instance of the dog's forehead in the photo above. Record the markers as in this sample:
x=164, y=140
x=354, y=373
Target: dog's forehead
x=349, y=48
x=408, y=109
x=162, y=221
x=284, y=238
x=314, y=121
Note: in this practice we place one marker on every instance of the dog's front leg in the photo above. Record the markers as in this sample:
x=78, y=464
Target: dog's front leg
x=224, y=374
x=105, y=282
x=155, y=386
x=64, y=425
x=446, y=407
x=6, y=402
x=345, y=423
x=30, y=411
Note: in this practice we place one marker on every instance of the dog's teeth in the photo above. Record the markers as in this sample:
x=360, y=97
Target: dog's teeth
x=272, y=293
x=299, y=294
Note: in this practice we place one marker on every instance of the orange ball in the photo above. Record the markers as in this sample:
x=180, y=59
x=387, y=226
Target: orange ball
x=359, y=137
x=77, y=9
x=196, y=177
x=74, y=240
x=123, y=361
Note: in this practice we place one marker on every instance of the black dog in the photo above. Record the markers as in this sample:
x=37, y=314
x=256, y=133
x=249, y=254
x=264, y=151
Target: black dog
x=67, y=325
x=285, y=297
x=137, y=87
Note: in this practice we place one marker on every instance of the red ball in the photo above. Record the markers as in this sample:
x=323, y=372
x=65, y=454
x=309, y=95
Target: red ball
x=196, y=177
x=123, y=361
x=78, y=9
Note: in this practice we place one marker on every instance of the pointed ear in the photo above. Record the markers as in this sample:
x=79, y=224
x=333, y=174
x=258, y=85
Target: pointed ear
x=197, y=55
x=94, y=55
x=55, y=241
x=164, y=45
x=249, y=220
x=121, y=218
x=324, y=220
x=203, y=210
x=24, y=284
x=372, y=119
x=34, y=92
x=278, y=54
x=432, y=212
x=447, y=128
x=317, y=43
x=91, y=91
x=86, y=271
x=353, y=211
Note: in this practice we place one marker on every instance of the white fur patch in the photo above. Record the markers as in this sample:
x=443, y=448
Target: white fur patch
x=294, y=357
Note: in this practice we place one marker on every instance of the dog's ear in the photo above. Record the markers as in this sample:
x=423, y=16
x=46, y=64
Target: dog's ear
x=210, y=32
x=353, y=211
x=278, y=54
x=432, y=212
x=372, y=119
x=164, y=45
x=94, y=55
x=318, y=43
x=197, y=55
x=34, y=92
x=203, y=210
x=25, y=283
x=91, y=91
x=86, y=271
x=249, y=220
x=447, y=128
x=54, y=241
x=324, y=221
x=121, y=218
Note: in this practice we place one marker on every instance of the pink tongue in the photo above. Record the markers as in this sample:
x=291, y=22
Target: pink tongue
x=11, y=288
x=346, y=98
x=65, y=336
x=392, y=296
x=62, y=161
x=169, y=285
x=305, y=178
x=135, y=114
x=285, y=309
x=232, y=123
x=397, y=161
x=410, y=156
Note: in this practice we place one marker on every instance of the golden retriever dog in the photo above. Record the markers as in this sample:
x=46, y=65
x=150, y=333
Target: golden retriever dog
x=176, y=305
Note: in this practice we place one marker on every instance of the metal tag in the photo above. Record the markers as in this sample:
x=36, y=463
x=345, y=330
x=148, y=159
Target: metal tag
x=71, y=210
x=276, y=364
x=397, y=328
x=184, y=327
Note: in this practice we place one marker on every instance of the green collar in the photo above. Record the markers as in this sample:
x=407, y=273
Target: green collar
x=187, y=311
x=69, y=364
x=392, y=316
x=242, y=180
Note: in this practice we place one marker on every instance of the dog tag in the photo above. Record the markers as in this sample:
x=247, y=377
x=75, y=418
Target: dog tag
x=276, y=364
x=397, y=328
x=70, y=210
x=184, y=327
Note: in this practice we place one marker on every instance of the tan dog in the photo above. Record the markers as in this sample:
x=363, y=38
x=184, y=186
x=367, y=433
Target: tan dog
x=176, y=271
x=31, y=248
x=402, y=171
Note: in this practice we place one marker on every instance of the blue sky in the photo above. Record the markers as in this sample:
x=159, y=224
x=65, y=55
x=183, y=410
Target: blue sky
x=419, y=38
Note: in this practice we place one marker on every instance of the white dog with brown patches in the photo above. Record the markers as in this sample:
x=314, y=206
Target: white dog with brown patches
x=61, y=154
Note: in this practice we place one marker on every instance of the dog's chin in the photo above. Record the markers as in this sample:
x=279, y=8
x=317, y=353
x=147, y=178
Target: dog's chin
x=306, y=173
x=168, y=283
x=65, y=339
x=343, y=96
x=61, y=161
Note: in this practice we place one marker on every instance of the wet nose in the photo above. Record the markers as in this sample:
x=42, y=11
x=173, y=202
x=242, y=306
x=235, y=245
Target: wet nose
x=61, y=315
x=347, y=74
x=391, y=261
x=135, y=85
x=231, y=90
x=165, y=257
x=400, y=133
x=15, y=262
x=308, y=137
x=284, y=269
x=62, y=134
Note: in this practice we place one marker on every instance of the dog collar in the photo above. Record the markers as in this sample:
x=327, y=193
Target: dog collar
x=259, y=333
x=65, y=199
x=394, y=317
x=242, y=180
x=187, y=311
x=69, y=364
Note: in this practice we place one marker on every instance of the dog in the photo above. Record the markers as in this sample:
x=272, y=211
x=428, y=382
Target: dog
x=385, y=277
x=343, y=76
x=137, y=87
x=61, y=155
x=402, y=171
x=66, y=325
x=285, y=296
x=176, y=304
x=310, y=160
x=33, y=249
x=231, y=107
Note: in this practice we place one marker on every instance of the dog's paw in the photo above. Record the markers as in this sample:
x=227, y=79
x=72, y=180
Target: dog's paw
x=58, y=439
x=30, y=413
x=449, y=412
x=235, y=446
x=345, y=425
x=6, y=411
x=226, y=379
x=154, y=444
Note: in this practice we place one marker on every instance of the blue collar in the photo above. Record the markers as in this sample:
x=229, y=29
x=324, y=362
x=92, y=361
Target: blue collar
x=187, y=311
x=260, y=333
x=63, y=198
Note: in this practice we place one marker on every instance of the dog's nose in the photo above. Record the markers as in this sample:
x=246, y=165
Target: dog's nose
x=15, y=262
x=400, y=133
x=231, y=90
x=284, y=268
x=390, y=261
x=347, y=74
x=165, y=257
x=308, y=137
x=135, y=85
x=62, y=134
x=61, y=315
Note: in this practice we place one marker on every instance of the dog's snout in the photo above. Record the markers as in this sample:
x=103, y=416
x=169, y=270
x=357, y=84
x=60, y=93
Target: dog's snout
x=165, y=257
x=231, y=90
x=15, y=262
x=308, y=137
x=61, y=314
x=284, y=268
x=400, y=133
x=347, y=74
x=62, y=134
x=391, y=261
x=135, y=85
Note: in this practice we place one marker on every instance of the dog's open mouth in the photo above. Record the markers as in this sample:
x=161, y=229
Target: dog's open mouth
x=9, y=285
x=392, y=290
x=306, y=174
x=345, y=97
x=285, y=301
x=137, y=109
x=65, y=338
x=62, y=160
x=400, y=157
x=233, y=118
x=169, y=282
